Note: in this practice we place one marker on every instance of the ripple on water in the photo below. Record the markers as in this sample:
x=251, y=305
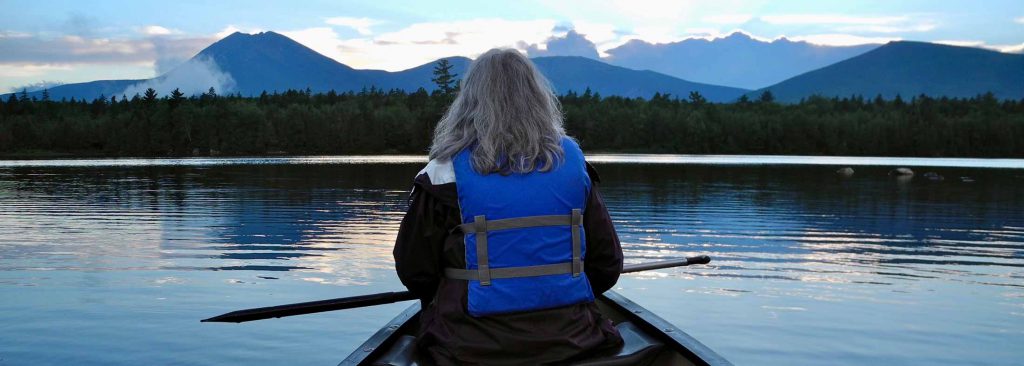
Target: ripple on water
x=803, y=262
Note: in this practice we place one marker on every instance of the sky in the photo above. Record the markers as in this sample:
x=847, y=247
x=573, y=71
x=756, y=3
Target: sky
x=51, y=42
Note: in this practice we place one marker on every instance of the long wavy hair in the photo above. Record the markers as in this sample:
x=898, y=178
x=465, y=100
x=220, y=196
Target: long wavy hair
x=507, y=113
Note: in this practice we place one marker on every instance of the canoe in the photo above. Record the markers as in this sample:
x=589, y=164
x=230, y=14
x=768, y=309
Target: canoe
x=649, y=340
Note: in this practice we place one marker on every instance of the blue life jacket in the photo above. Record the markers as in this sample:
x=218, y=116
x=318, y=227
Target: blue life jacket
x=524, y=235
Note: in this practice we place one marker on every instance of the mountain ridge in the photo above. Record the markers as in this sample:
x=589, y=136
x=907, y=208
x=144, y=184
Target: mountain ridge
x=269, y=61
x=910, y=68
x=737, y=60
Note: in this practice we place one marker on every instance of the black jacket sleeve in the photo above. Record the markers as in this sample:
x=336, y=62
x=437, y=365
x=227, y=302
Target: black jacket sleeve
x=419, y=245
x=604, y=252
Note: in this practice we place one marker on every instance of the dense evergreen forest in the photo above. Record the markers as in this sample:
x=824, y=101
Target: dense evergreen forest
x=377, y=121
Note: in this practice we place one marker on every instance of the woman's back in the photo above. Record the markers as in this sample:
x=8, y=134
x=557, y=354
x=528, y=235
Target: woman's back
x=507, y=238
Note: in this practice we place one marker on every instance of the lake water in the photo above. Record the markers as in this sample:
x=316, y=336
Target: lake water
x=114, y=262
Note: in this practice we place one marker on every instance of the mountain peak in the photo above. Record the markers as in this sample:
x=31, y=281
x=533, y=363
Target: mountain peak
x=239, y=37
x=738, y=36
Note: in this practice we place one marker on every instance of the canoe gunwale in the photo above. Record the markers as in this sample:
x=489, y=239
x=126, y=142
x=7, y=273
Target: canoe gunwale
x=681, y=342
x=379, y=342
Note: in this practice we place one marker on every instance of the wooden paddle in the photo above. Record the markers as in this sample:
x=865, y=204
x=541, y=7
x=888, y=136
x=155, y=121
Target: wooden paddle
x=342, y=303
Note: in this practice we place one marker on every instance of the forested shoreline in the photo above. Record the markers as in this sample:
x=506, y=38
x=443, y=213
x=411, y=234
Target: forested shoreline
x=385, y=122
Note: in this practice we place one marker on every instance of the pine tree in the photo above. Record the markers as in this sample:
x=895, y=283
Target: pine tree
x=697, y=99
x=46, y=95
x=444, y=78
x=12, y=104
x=176, y=97
x=149, y=96
x=766, y=97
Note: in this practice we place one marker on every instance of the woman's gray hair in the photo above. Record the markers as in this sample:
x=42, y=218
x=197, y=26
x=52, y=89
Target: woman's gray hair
x=507, y=112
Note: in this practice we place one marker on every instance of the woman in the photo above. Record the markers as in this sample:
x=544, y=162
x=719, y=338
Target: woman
x=507, y=240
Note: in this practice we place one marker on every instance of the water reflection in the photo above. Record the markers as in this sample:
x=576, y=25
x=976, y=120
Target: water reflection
x=799, y=224
x=338, y=223
x=213, y=232
x=780, y=222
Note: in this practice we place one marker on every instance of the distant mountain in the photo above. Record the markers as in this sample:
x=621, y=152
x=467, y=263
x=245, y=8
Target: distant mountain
x=89, y=90
x=578, y=73
x=268, y=61
x=737, y=60
x=417, y=77
x=573, y=73
x=909, y=69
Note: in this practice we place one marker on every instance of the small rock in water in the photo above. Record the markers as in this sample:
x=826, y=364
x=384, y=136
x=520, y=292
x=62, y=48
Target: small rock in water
x=901, y=171
x=934, y=176
x=267, y=277
x=846, y=172
x=967, y=179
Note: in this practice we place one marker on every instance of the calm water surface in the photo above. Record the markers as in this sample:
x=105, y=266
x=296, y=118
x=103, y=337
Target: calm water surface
x=111, y=262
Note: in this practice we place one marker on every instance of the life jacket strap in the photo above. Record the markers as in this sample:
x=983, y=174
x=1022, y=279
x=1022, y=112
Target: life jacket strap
x=480, y=226
x=576, y=227
x=510, y=272
x=482, y=260
x=517, y=223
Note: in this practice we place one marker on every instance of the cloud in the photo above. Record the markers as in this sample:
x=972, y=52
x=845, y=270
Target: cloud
x=169, y=53
x=1005, y=48
x=37, y=86
x=833, y=19
x=960, y=43
x=653, y=10
x=230, y=29
x=420, y=43
x=19, y=70
x=1013, y=48
x=874, y=28
x=650, y=20
x=193, y=77
x=572, y=44
x=156, y=30
x=853, y=23
x=1019, y=20
x=14, y=76
x=73, y=49
x=360, y=25
x=321, y=39
x=13, y=34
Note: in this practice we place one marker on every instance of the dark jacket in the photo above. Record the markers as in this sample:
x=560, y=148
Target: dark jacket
x=427, y=243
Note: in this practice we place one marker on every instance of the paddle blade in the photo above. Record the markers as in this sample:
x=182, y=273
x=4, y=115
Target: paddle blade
x=700, y=259
x=311, y=307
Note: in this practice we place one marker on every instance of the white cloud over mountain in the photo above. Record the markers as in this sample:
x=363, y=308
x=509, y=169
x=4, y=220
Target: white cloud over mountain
x=572, y=44
x=575, y=27
x=360, y=25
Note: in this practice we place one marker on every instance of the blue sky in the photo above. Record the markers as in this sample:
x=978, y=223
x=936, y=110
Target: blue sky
x=74, y=41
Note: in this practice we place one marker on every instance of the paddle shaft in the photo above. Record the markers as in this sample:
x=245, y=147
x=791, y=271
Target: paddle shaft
x=391, y=297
